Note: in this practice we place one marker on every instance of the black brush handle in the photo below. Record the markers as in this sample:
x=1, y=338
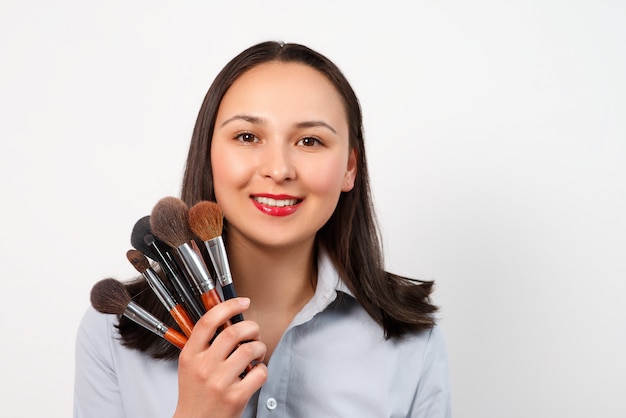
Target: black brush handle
x=229, y=292
x=182, y=290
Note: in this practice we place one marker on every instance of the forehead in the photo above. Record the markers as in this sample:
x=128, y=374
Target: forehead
x=283, y=86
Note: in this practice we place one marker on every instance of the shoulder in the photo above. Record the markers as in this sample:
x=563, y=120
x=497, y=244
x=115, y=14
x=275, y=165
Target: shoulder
x=433, y=393
x=436, y=340
x=115, y=381
x=97, y=327
x=95, y=338
x=92, y=317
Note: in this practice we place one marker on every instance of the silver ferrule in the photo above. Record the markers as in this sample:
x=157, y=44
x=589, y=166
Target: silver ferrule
x=144, y=318
x=195, y=267
x=159, y=288
x=217, y=252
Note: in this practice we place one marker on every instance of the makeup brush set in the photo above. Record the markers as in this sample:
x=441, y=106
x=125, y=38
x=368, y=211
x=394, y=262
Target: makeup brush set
x=185, y=286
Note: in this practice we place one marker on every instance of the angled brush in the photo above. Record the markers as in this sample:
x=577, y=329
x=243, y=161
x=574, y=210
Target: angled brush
x=111, y=297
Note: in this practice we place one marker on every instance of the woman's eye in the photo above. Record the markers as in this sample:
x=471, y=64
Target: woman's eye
x=309, y=141
x=246, y=137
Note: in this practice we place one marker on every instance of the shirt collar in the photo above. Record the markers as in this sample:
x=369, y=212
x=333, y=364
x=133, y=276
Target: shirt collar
x=328, y=278
x=328, y=284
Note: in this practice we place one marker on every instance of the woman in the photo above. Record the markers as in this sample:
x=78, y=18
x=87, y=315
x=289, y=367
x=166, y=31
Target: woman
x=278, y=143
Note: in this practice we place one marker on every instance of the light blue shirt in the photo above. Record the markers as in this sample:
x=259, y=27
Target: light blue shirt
x=332, y=361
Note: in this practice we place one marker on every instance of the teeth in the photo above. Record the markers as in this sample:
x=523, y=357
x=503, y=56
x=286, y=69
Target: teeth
x=273, y=202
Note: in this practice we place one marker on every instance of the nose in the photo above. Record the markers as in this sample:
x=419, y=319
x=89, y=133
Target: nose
x=277, y=163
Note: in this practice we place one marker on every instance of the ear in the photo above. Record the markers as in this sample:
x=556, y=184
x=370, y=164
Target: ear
x=350, y=175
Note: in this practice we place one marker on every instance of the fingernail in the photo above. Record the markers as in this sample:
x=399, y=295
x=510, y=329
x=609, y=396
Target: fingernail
x=245, y=302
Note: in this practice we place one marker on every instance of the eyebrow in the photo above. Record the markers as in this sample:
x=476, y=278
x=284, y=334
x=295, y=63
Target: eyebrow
x=260, y=121
x=252, y=119
x=315, y=123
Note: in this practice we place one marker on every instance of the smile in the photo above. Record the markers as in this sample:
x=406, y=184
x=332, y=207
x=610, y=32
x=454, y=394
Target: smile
x=279, y=203
x=276, y=205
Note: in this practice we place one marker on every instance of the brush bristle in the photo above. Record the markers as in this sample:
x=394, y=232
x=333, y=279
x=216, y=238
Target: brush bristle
x=169, y=221
x=138, y=260
x=109, y=296
x=206, y=220
x=137, y=237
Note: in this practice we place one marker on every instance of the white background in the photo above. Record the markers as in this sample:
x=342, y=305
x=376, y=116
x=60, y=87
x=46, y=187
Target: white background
x=497, y=142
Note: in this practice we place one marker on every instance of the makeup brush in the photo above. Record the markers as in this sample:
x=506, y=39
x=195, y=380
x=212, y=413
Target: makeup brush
x=178, y=311
x=111, y=297
x=143, y=240
x=170, y=224
x=185, y=287
x=206, y=221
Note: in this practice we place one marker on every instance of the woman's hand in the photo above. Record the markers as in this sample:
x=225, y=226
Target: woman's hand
x=208, y=376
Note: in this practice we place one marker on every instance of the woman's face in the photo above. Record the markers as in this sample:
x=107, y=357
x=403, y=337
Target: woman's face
x=280, y=154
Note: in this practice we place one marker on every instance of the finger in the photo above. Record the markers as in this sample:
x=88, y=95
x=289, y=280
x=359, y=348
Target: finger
x=254, y=379
x=246, y=356
x=206, y=327
x=234, y=335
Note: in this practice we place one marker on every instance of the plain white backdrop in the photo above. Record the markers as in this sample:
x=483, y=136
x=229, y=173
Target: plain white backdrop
x=496, y=136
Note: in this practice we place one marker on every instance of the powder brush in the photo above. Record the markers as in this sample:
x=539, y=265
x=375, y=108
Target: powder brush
x=169, y=223
x=178, y=311
x=143, y=240
x=110, y=296
x=206, y=222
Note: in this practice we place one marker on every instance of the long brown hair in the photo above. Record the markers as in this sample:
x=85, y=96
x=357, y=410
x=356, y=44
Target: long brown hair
x=351, y=236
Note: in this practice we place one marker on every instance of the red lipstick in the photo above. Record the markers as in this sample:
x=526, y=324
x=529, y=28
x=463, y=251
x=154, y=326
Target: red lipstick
x=267, y=203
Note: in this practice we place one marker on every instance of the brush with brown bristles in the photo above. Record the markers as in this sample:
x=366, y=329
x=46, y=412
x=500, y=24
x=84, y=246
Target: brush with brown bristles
x=111, y=297
x=178, y=311
x=169, y=223
x=206, y=221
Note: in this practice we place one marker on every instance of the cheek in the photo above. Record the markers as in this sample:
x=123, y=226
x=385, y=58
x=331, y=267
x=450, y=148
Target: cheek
x=327, y=177
x=228, y=171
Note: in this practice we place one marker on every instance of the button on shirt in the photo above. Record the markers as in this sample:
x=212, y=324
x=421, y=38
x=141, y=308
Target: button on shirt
x=332, y=361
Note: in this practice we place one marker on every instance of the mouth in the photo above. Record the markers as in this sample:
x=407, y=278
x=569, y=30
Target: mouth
x=276, y=205
x=276, y=202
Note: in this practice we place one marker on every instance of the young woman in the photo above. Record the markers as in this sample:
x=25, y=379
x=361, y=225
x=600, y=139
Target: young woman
x=278, y=144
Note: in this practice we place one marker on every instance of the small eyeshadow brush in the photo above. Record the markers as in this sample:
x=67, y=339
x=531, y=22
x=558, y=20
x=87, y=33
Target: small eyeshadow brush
x=178, y=311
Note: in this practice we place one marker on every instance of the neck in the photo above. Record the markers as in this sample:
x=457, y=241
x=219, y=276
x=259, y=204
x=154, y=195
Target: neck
x=278, y=281
x=275, y=279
